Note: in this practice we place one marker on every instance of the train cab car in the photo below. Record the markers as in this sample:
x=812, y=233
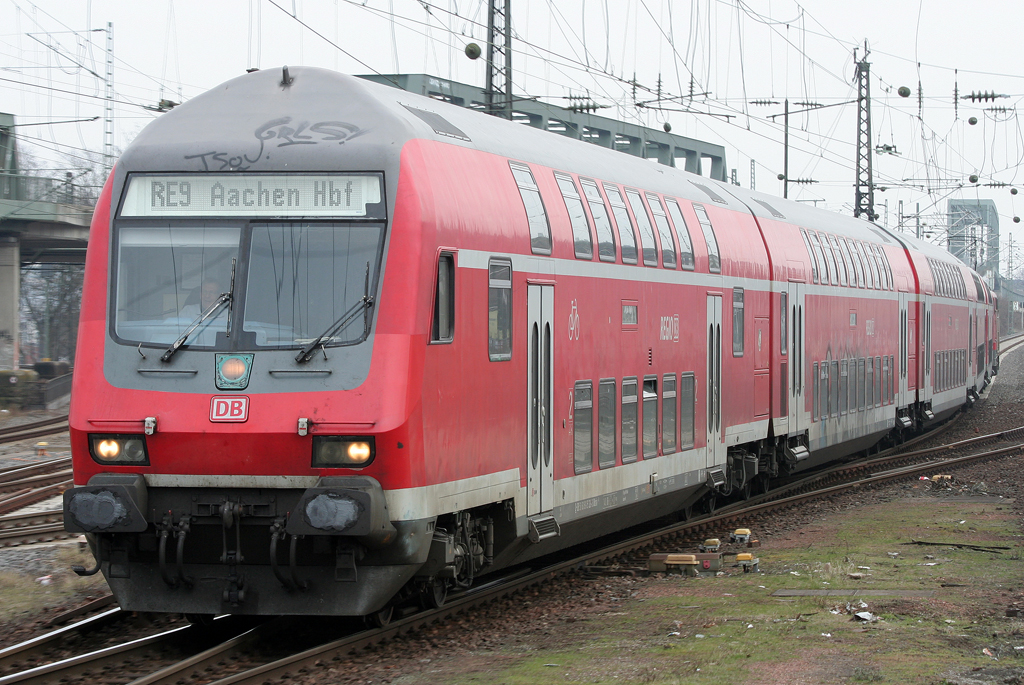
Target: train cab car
x=342, y=346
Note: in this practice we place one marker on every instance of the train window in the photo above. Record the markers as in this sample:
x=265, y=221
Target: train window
x=815, y=394
x=882, y=277
x=861, y=375
x=603, y=225
x=979, y=291
x=844, y=379
x=629, y=418
x=443, y=329
x=737, y=322
x=499, y=310
x=650, y=416
x=878, y=381
x=820, y=256
x=643, y=222
x=783, y=329
x=668, y=414
x=833, y=270
x=540, y=231
x=714, y=259
x=687, y=390
x=834, y=385
x=606, y=423
x=810, y=255
x=840, y=260
x=303, y=277
x=627, y=240
x=823, y=390
x=685, y=244
x=870, y=385
x=852, y=387
x=870, y=271
x=888, y=269
x=862, y=268
x=168, y=275
x=583, y=427
x=668, y=243
x=885, y=379
x=851, y=263
x=583, y=244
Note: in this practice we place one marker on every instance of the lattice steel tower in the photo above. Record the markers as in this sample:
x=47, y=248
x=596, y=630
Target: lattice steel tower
x=864, y=201
x=499, y=58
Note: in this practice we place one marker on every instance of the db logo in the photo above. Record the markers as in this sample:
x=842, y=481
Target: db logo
x=230, y=409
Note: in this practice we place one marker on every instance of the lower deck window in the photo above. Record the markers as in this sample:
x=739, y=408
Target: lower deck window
x=650, y=417
x=668, y=414
x=629, y=420
x=606, y=423
x=583, y=426
x=687, y=389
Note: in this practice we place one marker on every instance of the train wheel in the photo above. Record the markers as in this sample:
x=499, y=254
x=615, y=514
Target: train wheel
x=710, y=503
x=381, y=618
x=763, y=483
x=746, y=490
x=434, y=594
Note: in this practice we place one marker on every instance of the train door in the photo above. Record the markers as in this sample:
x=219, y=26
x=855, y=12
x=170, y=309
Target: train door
x=715, y=449
x=903, y=363
x=926, y=331
x=540, y=469
x=797, y=419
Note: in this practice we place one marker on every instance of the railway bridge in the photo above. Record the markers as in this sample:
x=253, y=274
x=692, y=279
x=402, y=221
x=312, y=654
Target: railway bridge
x=42, y=221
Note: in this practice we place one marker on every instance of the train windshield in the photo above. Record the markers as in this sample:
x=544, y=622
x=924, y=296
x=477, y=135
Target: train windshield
x=305, y=277
x=167, y=275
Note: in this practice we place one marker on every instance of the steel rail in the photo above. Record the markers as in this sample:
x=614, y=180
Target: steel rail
x=110, y=657
x=12, y=473
x=34, y=648
x=31, y=426
x=35, y=432
x=32, y=519
x=44, y=532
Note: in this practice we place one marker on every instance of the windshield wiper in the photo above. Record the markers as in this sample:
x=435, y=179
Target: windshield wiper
x=228, y=297
x=360, y=307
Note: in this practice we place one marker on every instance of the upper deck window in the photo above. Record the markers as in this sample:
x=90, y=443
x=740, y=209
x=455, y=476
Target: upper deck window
x=540, y=231
x=643, y=222
x=582, y=242
x=685, y=244
x=605, y=237
x=668, y=243
x=714, y=260
x=622, y=218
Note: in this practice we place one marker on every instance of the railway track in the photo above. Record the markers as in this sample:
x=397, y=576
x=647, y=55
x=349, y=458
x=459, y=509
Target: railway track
x=237, y=655
x=37, y=429
x=230, y=654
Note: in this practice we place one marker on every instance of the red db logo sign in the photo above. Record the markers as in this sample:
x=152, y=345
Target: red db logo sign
x=229, y=409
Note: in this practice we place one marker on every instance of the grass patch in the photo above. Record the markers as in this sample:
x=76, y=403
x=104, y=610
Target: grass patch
x=731, y=629
x=24, y=595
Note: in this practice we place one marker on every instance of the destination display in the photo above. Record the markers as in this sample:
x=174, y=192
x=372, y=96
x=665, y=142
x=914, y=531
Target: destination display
x=251, y=195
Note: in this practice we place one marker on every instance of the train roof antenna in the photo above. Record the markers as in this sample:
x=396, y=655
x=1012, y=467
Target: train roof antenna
x=286, y=79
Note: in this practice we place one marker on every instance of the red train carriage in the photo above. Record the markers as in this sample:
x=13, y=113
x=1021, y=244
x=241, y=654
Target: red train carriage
x=342, y=345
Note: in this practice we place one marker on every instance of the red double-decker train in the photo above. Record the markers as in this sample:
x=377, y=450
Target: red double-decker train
x=342, y=345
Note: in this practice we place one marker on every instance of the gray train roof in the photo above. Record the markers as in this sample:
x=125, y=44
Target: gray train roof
x=323, y=120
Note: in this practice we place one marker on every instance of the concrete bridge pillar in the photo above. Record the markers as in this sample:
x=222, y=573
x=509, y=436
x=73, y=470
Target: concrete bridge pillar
x=10, y=296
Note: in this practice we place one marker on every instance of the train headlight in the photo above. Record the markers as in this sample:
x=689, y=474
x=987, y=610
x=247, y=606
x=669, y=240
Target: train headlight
x=233, y=371
x=337, y=451
x=119, y=449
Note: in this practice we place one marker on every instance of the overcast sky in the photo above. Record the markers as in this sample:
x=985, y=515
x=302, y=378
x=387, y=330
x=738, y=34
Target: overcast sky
x=732, y=52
